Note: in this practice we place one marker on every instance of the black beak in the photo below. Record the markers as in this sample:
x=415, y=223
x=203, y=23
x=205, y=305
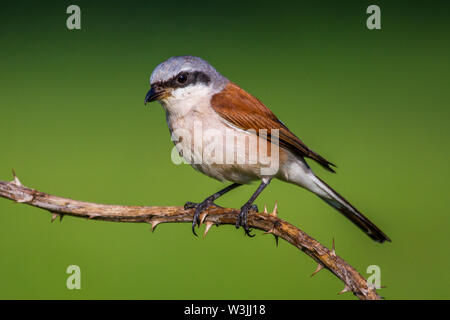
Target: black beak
x=153, y=95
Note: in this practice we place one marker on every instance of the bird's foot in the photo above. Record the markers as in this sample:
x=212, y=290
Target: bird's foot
x=199, y=208
x=242, y=218
x=190, y=205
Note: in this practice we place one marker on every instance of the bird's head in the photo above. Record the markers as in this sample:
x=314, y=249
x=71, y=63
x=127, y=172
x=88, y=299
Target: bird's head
x=182, y=78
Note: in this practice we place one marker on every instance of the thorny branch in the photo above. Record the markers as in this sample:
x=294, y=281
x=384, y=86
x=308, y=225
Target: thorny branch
x=269, y=223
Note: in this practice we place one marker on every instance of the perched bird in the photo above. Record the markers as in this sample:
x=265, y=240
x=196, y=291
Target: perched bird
x=202, y=106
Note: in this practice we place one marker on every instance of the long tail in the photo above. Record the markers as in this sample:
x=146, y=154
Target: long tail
x=338, y=202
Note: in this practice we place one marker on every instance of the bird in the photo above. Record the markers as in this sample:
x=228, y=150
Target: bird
x=202, y=106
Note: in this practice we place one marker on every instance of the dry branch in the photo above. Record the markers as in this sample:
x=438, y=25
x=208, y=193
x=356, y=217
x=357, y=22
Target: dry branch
x=269, y=223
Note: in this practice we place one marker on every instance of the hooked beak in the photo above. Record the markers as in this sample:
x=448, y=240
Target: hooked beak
x=154, y=94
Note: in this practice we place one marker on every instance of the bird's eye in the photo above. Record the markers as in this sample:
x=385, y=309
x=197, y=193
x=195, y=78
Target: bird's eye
x=182, y=77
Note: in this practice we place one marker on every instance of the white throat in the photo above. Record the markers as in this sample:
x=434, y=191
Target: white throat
x=185, y=100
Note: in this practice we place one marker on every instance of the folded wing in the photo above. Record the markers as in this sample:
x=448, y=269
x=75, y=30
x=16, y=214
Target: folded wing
x=244, y=111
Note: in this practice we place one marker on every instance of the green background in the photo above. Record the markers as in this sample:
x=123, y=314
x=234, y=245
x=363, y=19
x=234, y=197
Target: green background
x=73, y=123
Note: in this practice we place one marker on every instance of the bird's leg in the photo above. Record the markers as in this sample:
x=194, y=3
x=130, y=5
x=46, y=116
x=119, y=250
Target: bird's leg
x=248, y=206
x=208, y=202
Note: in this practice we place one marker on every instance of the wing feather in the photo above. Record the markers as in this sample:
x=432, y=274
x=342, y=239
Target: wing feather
x=244, y=111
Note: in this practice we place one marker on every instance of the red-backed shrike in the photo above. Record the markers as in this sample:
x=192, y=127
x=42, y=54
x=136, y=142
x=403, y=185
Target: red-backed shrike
x=228, y=134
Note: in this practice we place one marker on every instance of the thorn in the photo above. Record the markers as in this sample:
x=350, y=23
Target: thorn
x=346, y=289
x=16, y=180
x=265, y=209
x=202, y=217
x=54, y=216
x=93, y=216
x=275, y=209
x=271, y=231
x=333, y=251
x=319, y=267
x=154, y=224
x=208, y=226
x=27, y=197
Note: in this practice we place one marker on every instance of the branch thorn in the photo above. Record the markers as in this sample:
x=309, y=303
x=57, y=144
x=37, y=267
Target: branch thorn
x=346, y=289
x=265, y=209
x=319, y=267
x=333, y=251
x=202, y=217
x=275, y=210
x=16, y=180
x=56, y=215
x=154, y=224
x=272, y=231
x=208, y=226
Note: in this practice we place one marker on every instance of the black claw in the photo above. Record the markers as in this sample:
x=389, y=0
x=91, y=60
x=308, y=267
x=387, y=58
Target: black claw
x=247, y=233
x=246, y=228
x=199, y=208
x=191, y=205
x=242, y=218
x=193, y=227
x=196, y=219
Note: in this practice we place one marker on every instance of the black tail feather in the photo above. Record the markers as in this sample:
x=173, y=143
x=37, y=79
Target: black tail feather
x=343, y=206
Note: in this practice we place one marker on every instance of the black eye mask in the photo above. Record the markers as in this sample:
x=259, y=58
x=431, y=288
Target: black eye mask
x=184, y=79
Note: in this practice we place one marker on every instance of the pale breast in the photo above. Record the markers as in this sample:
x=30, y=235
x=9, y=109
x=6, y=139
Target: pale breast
x=218, y=149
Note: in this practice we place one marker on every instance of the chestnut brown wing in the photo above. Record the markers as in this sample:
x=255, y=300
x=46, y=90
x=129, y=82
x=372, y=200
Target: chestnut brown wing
x=244, y=111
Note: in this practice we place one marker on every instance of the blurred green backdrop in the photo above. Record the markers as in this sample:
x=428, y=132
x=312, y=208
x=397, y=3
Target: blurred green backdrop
x=376, y=103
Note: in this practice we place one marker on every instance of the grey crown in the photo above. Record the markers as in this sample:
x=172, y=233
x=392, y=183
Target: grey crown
x=173, y=66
